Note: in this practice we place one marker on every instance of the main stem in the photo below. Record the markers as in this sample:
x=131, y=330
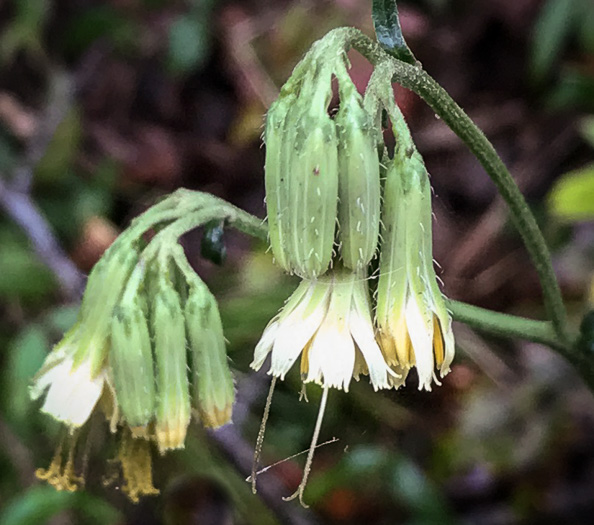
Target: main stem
x=417, y=80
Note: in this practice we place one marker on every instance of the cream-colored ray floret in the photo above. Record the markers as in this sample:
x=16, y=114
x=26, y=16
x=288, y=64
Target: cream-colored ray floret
x=328, y=322
x=72, y=390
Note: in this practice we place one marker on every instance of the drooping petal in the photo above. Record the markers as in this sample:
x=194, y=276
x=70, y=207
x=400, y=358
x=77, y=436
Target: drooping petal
x=332, y=354
x=361, y=328
x=332, y=357
x=264, y=346
x=421, y=335
x=73, y=392
x=298, y=328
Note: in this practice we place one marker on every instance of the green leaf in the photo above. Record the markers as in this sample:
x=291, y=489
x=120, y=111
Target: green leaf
x=552, y=28
x=35, y=506
x=388, y=31
x=572, y=197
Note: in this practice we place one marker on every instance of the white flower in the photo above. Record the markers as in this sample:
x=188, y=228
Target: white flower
x=328, y=322
x=73, y=388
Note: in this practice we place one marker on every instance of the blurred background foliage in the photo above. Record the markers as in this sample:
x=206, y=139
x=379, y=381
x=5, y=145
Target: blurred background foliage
x=106, y=105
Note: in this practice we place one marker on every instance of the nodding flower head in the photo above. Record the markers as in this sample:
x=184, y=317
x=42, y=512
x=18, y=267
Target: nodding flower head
x=74, y=374
x=126, y=359
x=213, y=392
x=321, y=169
x=301, y=175
x=414, y=326
x=358, y=180
x=328, y=323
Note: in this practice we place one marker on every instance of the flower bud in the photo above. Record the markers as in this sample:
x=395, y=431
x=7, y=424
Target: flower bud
x=212, y=387
x=173, y=398
x=278, y=150
x=131, y=361
x=313, y=189
x=303, y=205
x=359, y=181
x=104, y=288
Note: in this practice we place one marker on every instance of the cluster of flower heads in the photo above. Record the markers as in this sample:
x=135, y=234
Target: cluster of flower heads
x=335, y=199
x=147, y=353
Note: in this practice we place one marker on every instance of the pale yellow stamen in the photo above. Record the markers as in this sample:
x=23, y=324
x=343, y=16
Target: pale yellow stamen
x=388, y=348
x=404, y=350
x=135, y=458
x=62, y=477
x=305, y=360
x=438, y=342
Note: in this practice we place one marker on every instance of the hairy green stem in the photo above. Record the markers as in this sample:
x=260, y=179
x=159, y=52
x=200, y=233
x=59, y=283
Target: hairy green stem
x=420, y=82
x=180, y=209
x=506, y=325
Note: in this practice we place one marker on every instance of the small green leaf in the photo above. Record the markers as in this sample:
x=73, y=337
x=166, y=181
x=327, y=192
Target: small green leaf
x=388, y=31
x=213, y=242
x=572, y=197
